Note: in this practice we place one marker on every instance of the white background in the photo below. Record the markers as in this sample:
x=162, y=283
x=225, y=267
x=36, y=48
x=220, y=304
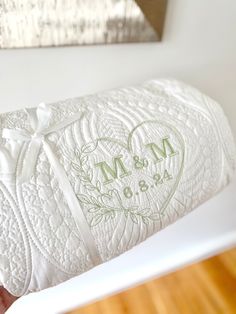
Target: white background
x=198, y=47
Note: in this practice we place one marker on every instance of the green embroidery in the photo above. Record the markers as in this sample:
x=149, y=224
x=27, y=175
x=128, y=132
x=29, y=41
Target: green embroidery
x=167, y=176
x=143, y=186
x=157, y=151
x=128, y=192
x=104, y=204
x=158, y=179
x=103, y=212
x=100, y=204
x=83, y=170
x=140, y=163
x=113, y=171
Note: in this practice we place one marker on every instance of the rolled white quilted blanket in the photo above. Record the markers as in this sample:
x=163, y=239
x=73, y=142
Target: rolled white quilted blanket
x=86, y=179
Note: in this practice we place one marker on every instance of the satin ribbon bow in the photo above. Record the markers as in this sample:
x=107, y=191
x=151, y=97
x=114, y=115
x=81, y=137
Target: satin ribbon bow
x=39, y=122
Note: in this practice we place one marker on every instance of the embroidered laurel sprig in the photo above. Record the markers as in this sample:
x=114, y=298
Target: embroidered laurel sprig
x=79, y=162
x=97, y=205
x=145, y=215
x=84, y=170
x=102, y=211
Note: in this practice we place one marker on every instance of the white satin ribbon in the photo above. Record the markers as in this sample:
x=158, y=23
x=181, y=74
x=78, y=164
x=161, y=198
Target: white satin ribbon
x=39, y=122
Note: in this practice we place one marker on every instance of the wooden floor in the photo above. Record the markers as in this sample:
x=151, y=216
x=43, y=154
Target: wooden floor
x=208, y=287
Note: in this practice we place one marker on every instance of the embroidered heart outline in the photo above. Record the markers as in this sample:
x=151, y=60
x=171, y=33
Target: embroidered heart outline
x=90, y=147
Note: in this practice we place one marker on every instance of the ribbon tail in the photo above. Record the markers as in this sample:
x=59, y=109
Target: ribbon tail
x=29, y=162
x=74, y=204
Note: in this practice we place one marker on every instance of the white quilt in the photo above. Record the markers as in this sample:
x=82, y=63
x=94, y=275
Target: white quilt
x=86, y=179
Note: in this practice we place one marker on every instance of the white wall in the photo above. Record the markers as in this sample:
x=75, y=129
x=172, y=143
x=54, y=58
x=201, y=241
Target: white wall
x=199, y=46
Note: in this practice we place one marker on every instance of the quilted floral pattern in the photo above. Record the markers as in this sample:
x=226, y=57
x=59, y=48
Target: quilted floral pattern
x=138, y=159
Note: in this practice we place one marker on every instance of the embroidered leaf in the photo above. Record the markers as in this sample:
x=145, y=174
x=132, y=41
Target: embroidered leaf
x=94, y=209
x=154, y=216
x=89, y=147
x=90, y=187
x=145, y=220
x=107, y=217
x=76, y=167
x=134, y=218
x=103, y=197
x=83, y=160
x=90, y=173
x=83, y=178
x=83, y=198
x=134, y=209
x=98, y=185
x=145, y=212
x=95, y=201
x=96, y=220
x=113, y=215
x=77, y=151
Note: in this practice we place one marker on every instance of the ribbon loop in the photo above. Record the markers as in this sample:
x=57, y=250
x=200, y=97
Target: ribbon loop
x=39, y=120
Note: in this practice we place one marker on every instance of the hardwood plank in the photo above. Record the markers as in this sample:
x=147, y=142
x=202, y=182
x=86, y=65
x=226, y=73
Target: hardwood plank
x=208, y=287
